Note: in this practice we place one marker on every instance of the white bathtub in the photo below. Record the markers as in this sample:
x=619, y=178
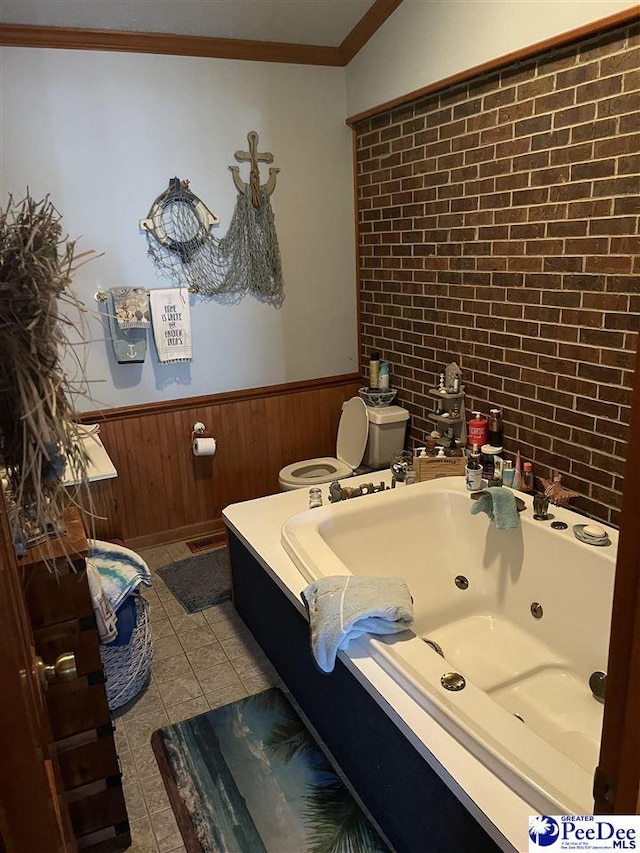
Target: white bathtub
x=513, y=663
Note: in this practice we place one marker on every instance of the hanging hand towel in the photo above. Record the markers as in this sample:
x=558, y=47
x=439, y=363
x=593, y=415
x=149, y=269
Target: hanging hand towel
x=500, y=505
x=171, y=324
x=131, y=306
x=129, y=345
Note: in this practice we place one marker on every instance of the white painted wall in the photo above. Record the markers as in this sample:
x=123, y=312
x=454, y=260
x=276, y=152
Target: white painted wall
x=102, y=133
x=424, y=41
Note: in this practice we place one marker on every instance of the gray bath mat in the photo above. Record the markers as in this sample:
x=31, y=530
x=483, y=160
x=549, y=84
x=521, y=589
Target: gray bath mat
x=200, y=581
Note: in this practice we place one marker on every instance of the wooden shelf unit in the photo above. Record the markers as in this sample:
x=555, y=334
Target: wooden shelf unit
x=448, y=401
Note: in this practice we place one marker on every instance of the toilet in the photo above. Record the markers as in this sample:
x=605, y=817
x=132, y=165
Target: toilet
x=367, y=435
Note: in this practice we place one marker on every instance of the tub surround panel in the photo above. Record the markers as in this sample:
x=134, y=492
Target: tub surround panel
x=410, y=803
x=497, y=808
x=164, y=494
x=498, y=225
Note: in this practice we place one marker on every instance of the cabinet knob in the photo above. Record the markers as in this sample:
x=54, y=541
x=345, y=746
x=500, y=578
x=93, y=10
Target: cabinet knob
x=64, y=668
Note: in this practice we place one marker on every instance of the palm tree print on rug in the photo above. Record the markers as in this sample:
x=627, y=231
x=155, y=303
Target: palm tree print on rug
x=250, y=778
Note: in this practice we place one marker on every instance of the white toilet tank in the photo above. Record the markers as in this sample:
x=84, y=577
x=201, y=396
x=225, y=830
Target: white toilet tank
x=387, y=427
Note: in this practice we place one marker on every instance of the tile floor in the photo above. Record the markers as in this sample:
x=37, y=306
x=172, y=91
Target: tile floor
x=201, y=661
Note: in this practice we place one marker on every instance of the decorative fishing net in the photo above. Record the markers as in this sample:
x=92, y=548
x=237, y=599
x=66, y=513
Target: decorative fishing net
x=245, y=260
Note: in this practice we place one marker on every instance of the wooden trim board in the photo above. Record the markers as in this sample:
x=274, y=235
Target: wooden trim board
x=225, y=397
x=214, y=528
x=627, y=16
x=620, y=745
x=369, y=24
x=77, y=38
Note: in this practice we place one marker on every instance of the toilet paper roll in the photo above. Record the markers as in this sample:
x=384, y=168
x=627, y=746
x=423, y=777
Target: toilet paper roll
x=204, y=446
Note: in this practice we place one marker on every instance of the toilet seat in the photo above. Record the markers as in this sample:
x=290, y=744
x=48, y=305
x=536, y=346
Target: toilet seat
x=313, y=472
x=351, y=442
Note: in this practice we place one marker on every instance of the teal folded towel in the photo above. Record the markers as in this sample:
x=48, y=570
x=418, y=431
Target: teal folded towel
x=342, y=609
x=500, y=505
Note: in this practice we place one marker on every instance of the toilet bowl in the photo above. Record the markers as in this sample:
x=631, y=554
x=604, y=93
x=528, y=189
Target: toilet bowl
x=354, y=437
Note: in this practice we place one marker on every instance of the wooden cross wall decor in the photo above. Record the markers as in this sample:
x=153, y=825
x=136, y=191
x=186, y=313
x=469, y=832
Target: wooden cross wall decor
x=254, y=157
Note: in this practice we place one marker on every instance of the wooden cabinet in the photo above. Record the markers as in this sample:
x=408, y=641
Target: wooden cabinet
x=62, y=618
x=104, y=520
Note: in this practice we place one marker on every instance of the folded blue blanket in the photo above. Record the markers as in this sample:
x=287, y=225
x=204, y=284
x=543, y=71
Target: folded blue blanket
x=121, y=570
x=344, y=608
x=500, y=505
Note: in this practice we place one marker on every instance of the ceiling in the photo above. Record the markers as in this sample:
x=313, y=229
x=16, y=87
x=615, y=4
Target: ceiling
x=308, y=22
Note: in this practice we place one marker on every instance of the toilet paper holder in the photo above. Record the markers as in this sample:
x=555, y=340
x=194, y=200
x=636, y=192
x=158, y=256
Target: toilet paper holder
x=202, y=442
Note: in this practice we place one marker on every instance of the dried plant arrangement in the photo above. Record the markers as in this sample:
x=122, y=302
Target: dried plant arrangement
x=38, y=434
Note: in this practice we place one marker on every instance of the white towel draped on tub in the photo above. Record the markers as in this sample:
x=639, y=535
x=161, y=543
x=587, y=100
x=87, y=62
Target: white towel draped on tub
x=171, y=322
x=343, y=608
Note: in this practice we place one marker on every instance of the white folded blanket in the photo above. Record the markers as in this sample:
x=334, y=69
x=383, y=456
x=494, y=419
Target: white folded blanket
x=344, y=608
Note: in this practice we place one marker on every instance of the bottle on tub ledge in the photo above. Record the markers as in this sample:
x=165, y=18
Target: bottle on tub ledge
x=473, y=470
x=527, y=478
x=508, y=473
x=491, y=458
x=478, y=430
x=494, y=428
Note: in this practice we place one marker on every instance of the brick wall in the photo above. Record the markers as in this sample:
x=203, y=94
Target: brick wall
x=498, y=227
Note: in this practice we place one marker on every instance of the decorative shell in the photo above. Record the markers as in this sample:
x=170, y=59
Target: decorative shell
x=556, y=492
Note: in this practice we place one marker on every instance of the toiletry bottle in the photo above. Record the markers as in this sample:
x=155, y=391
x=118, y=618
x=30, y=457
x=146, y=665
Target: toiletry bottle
x=498, y=469
x=507, y=473
x=478, y=430
x=473, y=470
x=527, y=478
x=374, y=369
x=486, y=460
x=383, y=376
x=495, y=427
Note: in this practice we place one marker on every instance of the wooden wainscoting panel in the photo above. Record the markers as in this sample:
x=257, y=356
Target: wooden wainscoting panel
x=101, y=518
x=163, y=493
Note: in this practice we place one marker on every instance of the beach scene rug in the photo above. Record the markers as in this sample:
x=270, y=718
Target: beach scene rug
x=249, y=777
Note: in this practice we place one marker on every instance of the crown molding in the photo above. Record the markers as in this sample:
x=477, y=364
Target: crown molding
x=75, y=38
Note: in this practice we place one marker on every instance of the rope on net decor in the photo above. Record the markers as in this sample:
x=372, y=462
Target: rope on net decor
x=245, y=260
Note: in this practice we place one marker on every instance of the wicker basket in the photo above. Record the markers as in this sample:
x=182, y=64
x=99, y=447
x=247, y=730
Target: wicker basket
x=127, y=668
